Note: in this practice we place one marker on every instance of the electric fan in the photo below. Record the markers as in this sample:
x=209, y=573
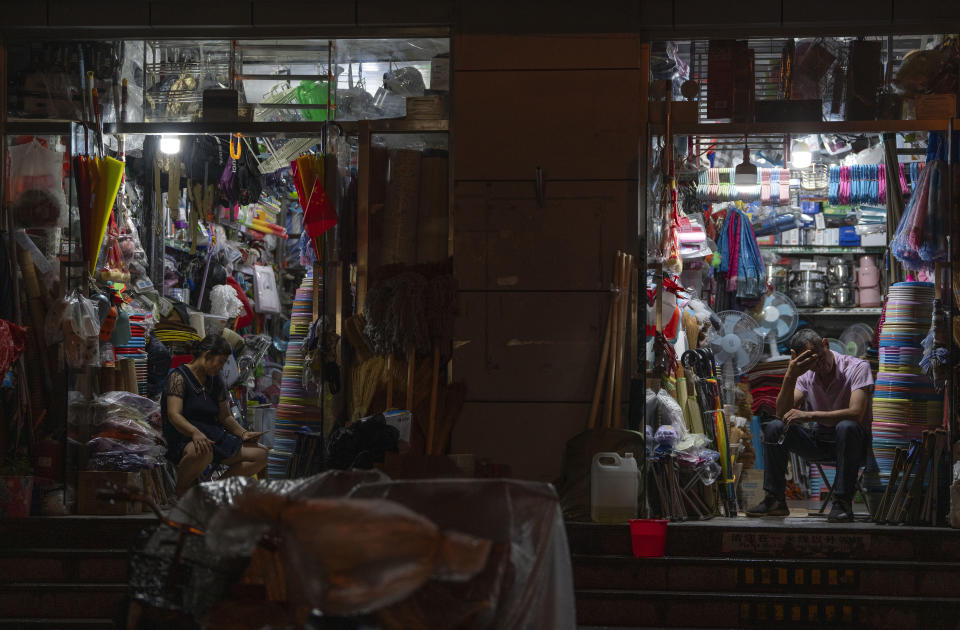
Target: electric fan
x=778, y=319
x=836, y=345
x=737, y=344
x=856, y=339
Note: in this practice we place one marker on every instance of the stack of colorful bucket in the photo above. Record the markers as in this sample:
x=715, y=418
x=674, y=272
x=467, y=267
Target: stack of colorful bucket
x=298, y=408
x=905, y=402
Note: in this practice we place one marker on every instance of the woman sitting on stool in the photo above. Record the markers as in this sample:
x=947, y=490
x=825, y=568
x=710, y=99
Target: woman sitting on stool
x=197, y=422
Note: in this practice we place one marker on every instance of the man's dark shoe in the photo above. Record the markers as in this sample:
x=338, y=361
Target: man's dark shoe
x=841, y=512
x=770, y=506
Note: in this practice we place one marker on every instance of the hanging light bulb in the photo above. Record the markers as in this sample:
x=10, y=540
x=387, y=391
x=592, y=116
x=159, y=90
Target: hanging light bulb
x=800, y=155
x=169, y=144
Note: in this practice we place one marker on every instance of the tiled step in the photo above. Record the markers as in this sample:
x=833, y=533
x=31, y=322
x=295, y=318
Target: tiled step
x=689, y=609
x=50, y=600
x=63, y=565
x=72, y=532
x=764, y=575
x=760, y=538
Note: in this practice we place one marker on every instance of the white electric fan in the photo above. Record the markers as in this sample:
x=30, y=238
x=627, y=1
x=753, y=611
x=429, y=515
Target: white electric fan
x=856, y=339
x=778, y=319
x=736, y=347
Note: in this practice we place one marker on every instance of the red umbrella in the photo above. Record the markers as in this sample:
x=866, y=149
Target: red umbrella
x=319, y=215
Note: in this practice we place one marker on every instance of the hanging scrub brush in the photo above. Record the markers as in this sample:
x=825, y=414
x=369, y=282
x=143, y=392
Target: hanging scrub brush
x=746, y=172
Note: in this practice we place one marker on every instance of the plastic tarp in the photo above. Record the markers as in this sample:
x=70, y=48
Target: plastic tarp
x=445, y=553
x=528, y=581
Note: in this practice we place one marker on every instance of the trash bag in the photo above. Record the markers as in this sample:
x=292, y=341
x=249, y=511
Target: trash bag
x=362, y=443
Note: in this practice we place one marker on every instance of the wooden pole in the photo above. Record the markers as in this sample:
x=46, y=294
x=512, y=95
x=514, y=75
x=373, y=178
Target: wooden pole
x=601, y=370
x=612, y=363
x=431, y=427
x=625, y=264
x=411, y=373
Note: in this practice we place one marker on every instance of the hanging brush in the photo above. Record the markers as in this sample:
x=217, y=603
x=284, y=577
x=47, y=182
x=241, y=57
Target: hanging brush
x=746, y=172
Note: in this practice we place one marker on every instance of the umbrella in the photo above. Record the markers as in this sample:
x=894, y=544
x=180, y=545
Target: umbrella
x=107, y=185
x=318, y=212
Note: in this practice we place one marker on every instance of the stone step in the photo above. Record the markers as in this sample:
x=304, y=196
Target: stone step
x=51, y=600
x=689, y=609
x=63, y=565
x=764, y=575
x=73, y=532
x=778, y=538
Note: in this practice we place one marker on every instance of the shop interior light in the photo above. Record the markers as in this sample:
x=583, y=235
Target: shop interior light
x=169, y=144
x=800, y=155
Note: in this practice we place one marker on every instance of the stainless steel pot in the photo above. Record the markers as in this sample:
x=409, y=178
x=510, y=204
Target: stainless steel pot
x=808, y=295
x=806, y=276
x=842, y=296
x=840, y=272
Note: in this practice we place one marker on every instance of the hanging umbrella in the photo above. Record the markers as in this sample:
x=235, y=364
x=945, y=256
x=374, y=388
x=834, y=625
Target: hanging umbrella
x=319, y=215
x=109, y=175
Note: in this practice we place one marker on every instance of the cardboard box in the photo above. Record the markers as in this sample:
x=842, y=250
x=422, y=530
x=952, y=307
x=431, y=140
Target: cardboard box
x=876, y=239
x=831, y=236
x=790, y=237
x=681, y=112
x=765, y=241
x=90, y=482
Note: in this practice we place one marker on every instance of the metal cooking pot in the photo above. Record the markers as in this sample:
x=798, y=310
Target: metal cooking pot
x=840, y=272
x=842, y=296
x=810, y=295
x=806, y=276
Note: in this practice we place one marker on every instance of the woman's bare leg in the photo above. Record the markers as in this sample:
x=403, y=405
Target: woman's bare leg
x=247, y=463
x=191, y=466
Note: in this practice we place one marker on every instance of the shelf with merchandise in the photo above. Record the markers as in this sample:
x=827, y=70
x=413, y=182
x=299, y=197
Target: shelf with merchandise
x=821, y=249
x=834, y=311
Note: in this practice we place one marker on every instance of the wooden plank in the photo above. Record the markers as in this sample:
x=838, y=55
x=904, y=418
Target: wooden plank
x=575, y=125
x=655, y=17
x=557, y=16
x=299, y=13
x=505, y=242
x=854, y=12
x=98, y=13
x=29, y=14
x=707, y=13
x=529, y=437
x=209, y=14
x=546, y=52
x=529, y=346
x=363, y=213
x=927, y=12
x=392, y=13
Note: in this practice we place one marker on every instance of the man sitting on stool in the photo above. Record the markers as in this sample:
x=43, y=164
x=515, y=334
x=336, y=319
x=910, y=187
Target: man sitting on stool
x=835, y=389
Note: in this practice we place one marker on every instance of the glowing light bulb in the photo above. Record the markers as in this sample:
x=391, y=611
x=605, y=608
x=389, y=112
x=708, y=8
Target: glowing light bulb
x=169, y=144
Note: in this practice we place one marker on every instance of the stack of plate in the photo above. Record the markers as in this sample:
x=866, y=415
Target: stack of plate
x=905, y=402
x=298, y=409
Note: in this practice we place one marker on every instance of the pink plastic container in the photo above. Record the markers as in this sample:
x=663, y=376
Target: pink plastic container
x=649, y=537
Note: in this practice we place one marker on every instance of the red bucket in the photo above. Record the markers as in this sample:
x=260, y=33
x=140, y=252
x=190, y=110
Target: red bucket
x=649, y=537
x=15, y=496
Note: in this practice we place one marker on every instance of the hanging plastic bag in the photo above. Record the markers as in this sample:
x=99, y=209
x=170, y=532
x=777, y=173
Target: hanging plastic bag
x=36, y=186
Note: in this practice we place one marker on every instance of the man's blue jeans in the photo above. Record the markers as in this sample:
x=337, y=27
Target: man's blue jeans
x=847, y=445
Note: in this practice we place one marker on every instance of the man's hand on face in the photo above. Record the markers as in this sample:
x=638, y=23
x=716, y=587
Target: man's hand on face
x=800, y=363
x=796, y=415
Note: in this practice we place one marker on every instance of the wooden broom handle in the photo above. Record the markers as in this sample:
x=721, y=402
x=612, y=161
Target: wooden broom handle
x=431, y=427
x=627, y=263
x=601, y=370
x=411, y=367
x=389, y=372
x=611, y=364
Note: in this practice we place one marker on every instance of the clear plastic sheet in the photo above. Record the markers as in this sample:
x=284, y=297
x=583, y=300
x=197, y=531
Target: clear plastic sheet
x=129, y=405
x=528, y=582
x=525, y=582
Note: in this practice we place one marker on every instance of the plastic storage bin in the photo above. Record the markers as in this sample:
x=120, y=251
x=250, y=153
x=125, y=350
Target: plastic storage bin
x=648, y=536
x=614, y=485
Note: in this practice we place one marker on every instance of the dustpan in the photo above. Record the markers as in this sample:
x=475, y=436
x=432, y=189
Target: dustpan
x=746, y=173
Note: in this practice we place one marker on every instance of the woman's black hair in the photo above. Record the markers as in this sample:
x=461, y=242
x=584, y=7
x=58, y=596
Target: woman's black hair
x=212, y=344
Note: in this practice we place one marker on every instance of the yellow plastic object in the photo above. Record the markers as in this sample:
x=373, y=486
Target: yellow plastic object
x=109, y=175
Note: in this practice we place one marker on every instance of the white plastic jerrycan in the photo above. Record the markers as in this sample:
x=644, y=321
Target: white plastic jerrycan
x=614, y=485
